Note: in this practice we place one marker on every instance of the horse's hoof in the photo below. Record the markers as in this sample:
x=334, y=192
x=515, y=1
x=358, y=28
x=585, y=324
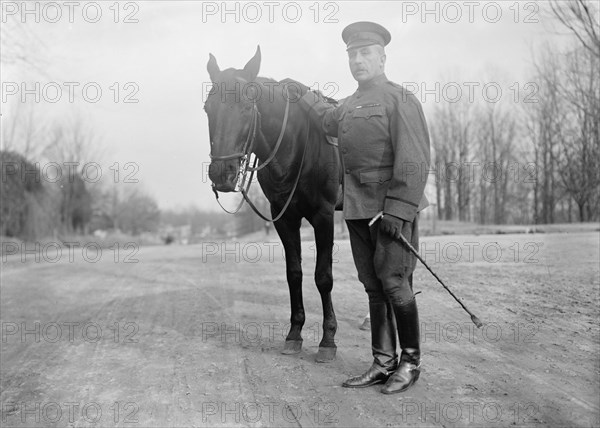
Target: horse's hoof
x=292, y=347
x=326, y=354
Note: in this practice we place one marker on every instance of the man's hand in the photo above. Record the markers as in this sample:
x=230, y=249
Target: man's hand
x=295, y=89
x=392, y=225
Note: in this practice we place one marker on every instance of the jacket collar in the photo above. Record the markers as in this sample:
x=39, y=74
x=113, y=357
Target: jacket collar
x=370, y=84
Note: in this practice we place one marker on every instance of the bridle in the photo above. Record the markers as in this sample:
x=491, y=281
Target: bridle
x=250, y=138
x=244, y=181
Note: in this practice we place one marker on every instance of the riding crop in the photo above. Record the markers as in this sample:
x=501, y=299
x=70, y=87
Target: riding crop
x=475, y=320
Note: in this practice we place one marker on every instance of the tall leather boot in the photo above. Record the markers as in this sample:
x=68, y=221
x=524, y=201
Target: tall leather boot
x=409, y=369
x=383, y=346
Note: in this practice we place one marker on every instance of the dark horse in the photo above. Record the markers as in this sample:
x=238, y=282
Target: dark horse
x=246, y=114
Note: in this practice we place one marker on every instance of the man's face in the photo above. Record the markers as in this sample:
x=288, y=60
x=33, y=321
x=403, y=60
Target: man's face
x=366, y=62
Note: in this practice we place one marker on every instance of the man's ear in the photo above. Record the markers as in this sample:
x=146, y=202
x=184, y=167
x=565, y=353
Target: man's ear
x=382, y=59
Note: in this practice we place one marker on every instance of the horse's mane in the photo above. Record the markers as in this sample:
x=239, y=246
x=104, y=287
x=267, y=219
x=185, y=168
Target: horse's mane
x=262, y=80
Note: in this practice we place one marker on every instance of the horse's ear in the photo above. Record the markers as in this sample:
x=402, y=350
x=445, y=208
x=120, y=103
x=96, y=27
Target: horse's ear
x=213, y=68
x=251, y=69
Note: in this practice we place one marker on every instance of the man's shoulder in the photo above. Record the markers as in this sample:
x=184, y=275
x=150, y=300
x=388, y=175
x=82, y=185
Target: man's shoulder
x=395, y=87
x=403, y=95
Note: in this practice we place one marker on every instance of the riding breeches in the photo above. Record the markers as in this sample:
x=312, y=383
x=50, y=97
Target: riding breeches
x=384, y=264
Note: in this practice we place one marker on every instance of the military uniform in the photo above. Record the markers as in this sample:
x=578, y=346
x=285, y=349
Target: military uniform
x=384, y=146
x=385, y=151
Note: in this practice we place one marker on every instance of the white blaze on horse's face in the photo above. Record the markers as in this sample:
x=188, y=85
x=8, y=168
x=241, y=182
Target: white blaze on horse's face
x=230, y=119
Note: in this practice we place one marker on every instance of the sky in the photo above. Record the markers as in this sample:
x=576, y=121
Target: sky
x=148, y=120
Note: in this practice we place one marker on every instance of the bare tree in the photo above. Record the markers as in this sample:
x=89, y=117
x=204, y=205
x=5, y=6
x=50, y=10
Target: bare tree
x=545, y=122
x=72, y=146
x=497, y=134
x=20, y=46
x=579, y=170
x=463, y=137
x=581, y=18
x=580, y=151
x=139, y=212
x=23, y=131
x=73, y=141
x=441, y=125
x=474, y=144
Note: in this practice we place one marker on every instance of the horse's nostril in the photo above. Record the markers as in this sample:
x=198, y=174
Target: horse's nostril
x=224, y=174
x=214, y=170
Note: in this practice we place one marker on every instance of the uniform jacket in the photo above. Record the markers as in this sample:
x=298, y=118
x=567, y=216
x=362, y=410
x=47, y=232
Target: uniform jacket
x=384, y=146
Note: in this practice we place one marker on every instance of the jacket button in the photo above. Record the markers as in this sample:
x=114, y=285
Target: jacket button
x=344, y=150
x=358, y=96
x=347, y=170
x=381, y=179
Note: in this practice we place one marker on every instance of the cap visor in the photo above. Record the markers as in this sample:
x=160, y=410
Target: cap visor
x=362, y=43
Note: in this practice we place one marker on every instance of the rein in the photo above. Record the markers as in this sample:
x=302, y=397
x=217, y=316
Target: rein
x=289, y=200
x=245, y=154
x=279, y=139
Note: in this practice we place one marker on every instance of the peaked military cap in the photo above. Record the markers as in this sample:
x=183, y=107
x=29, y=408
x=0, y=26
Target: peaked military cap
x=364, y=33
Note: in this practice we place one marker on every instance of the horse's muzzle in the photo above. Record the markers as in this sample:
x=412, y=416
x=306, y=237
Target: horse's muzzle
x=224, y=174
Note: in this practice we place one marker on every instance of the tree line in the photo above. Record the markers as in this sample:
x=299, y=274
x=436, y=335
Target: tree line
x=534, y=158
x=48, y=189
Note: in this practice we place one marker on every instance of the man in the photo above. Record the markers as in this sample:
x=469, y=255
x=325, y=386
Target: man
x=384, y=145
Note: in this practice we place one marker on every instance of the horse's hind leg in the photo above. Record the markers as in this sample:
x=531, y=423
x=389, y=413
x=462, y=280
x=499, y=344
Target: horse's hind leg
x=323, y=226
x=289, y=232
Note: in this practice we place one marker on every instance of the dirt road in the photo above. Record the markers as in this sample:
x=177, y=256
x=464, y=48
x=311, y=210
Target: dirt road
x=191, y=336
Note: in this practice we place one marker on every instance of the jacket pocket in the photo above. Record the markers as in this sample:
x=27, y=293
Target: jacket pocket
x=368, y=111
x=376, y=175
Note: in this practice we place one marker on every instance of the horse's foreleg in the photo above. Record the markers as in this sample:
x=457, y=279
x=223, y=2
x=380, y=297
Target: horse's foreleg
x=323, y=226
x=289, y=232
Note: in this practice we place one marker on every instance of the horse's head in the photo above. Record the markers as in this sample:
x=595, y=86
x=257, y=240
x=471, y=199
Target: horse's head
x=232, y=117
